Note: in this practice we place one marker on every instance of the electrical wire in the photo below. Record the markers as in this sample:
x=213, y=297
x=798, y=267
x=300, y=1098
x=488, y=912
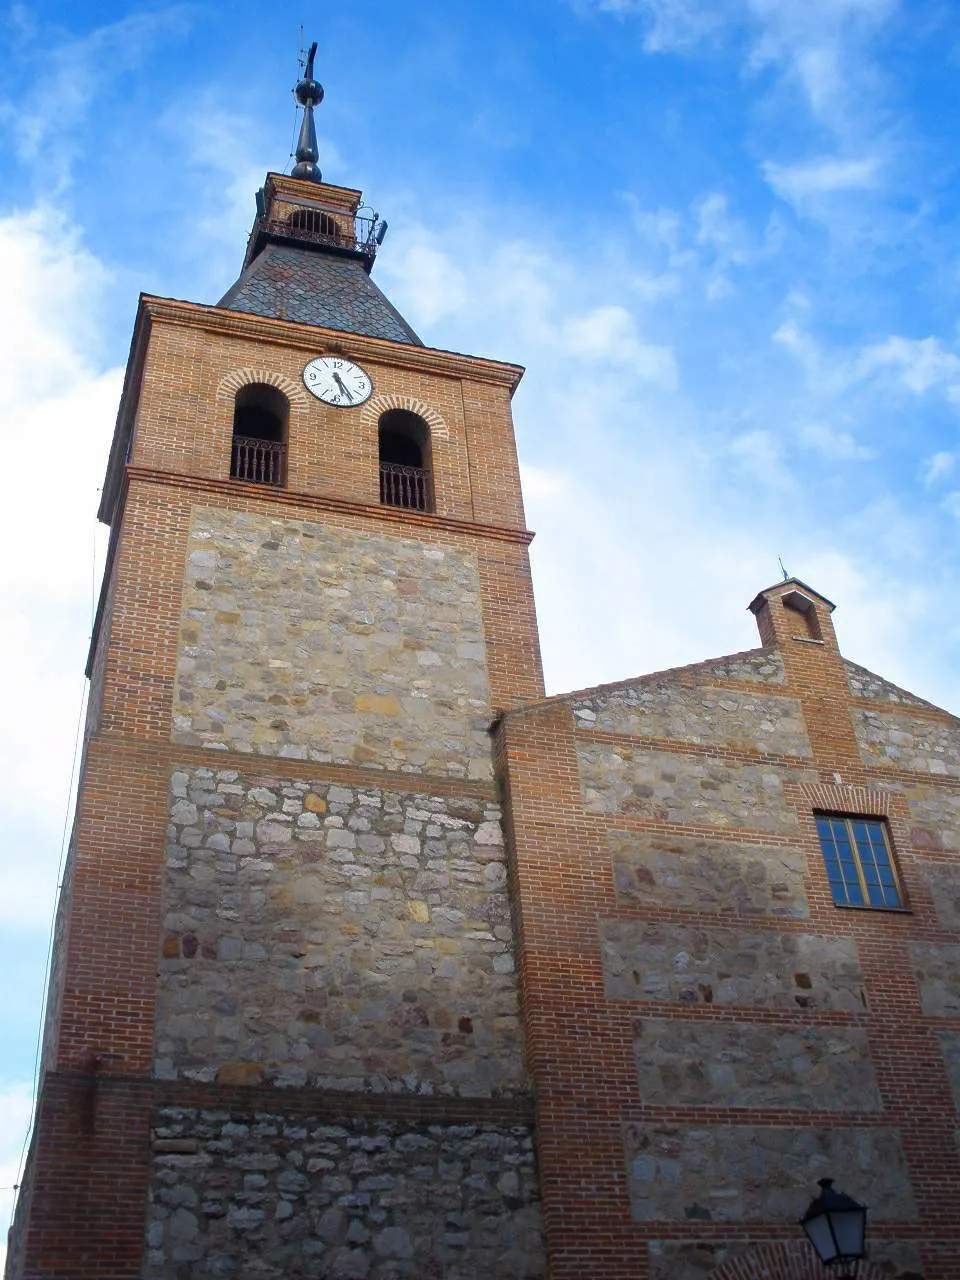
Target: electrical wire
x=53, y=918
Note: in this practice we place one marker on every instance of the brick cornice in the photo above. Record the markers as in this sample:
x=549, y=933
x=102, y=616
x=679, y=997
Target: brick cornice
x=341, y=1104
x=240, y=491
x=264, y=329
x=163, y=753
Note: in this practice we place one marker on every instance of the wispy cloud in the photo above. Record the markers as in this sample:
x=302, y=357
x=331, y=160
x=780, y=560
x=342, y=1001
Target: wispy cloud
x=831, y=443
x=799, y=184
x=70, y=74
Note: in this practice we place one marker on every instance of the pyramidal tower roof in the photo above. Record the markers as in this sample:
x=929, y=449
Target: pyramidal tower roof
x=313, y=245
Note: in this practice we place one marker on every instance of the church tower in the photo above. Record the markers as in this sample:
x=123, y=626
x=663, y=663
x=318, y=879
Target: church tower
x=283, y=1034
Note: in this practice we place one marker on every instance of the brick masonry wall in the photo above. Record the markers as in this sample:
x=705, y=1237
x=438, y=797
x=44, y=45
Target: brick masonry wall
x=707, y=1032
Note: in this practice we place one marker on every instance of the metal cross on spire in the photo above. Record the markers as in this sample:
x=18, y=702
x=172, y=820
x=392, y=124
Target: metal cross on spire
x=309, y=93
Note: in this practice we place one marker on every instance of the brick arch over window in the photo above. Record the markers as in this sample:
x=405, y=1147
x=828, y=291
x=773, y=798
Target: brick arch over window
x=788, y=1260
x=239, y=378
x=858, y=800
x=376, y=407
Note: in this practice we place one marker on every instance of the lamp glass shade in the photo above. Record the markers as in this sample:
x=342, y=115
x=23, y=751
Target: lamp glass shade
x=849, y=1228
x=821, y=1237
x=836, y=1225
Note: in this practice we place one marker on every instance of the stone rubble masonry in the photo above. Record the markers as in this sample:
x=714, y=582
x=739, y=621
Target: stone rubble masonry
x=760, y=1065
x=937, y=968
x=950, y=1047
x=674, y=787
x=702, y=875
x=934, y=815
x=759, y=1173
x=869, y=687
x=271, y=1195
x=943, y=884
x=311, y=642
x=664, y=708
x=344, y=937
x=726, y=966
x=910, y=742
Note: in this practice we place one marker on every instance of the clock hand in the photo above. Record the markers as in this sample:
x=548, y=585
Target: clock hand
x=342, y=385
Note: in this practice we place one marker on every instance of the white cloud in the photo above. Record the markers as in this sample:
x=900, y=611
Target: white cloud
x=800, y=184
x=760, y=455
x=71, y=73
x=919, y=364
x=830, y=443
x=938, y=467
x=609, y=334
x=821, y=50
x=57, y=410
x=650, y=286
x=673, y=25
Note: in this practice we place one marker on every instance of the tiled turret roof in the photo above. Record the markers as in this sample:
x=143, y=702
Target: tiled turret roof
x=309, y=287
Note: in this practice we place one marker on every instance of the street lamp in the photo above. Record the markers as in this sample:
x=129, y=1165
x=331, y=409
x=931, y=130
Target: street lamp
x=836, y=1226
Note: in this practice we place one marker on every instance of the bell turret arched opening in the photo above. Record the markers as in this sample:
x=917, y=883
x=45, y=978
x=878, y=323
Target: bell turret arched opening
x=260, y=417
x=404, y=446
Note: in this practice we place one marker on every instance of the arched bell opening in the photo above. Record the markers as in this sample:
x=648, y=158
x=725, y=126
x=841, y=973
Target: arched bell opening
x=260, y=417
x=404, y=443
x=312, y=222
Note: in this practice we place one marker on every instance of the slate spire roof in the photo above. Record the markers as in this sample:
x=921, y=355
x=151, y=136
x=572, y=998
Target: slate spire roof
x=313, y=286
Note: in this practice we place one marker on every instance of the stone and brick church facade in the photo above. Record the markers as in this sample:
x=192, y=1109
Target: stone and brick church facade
x=372, y=960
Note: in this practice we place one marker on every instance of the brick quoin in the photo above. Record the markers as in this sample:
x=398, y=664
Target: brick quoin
x=660, y=837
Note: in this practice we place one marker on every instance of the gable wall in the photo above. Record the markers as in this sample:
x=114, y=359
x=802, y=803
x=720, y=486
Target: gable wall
x=733, y=1036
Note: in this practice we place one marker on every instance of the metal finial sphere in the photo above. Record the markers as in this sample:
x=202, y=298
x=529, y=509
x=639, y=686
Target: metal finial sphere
x=309, y=93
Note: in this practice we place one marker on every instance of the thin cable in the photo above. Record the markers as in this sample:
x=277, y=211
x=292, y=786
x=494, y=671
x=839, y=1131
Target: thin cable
x=53, y=917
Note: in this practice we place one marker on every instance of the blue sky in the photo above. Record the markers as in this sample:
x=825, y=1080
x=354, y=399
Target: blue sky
x=720, y=234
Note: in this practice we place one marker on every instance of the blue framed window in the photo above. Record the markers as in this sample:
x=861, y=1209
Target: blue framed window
x=859, y=861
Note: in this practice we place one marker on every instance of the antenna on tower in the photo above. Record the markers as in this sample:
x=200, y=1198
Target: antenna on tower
x=786, y=575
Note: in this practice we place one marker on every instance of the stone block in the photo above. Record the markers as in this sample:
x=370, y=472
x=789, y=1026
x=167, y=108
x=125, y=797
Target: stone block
x=694, y=1063
x=362, y=1198
x=671, y=787
x=908, y=742
x=338, y=959
x=759, y=1173
x=950, y=1047
x=943, y=881
x=323, y=663
x=712, y=965
x=669, y=708
x=937, y=969
x=708, y=875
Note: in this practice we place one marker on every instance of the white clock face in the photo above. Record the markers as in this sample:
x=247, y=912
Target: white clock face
x=335, y=380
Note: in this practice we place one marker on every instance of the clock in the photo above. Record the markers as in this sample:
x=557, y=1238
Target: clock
x=338, y=381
